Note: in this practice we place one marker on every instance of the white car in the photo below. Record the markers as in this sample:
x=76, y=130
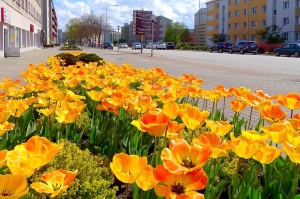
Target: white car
x=136, y=45
x=155, y=45
x=148, y=46
x=161, y=46
x=123, y=45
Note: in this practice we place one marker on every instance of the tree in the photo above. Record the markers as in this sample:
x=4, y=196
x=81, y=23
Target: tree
x=219, y=37
x=177, y=33
x=271, y=35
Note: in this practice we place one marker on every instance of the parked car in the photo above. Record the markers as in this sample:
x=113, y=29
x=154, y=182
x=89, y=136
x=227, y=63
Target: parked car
x=220, y=47
x=155, y=45
x=123, y=45
x=170, y=45
x=244, y=47
x=149, y=45
x=108, y=45
x=161, y=46
x=136, y=45
x=288, y=50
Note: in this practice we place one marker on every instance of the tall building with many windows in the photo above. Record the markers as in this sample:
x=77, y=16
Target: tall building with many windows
x=200, y=19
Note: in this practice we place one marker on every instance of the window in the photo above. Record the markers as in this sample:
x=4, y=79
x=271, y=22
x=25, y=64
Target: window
x=298, y=3
x=218, y=5
x=229, y=13
x=253, y=37
x=245, y=11
x=236, y=26
x=244, y=37
x=253, y=24
x=228, y=26
x=237, y=1
x=264, y=23
x=286, y=5
x=285, y=21
x=245, y=25
x=297, y=36
x=274, y=12
x=236, y=38
x=297, y=21
x=264, y=8
x=217, y=16
x=286, y=36
x=245, y=0
x=229, y=2
x=237, y=13
x=254, y=10
x=217, y=27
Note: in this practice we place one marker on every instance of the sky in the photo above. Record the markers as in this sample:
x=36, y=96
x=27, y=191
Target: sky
x=178, y=11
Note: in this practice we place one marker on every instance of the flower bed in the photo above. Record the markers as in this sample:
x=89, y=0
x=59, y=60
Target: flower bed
x=86, y=123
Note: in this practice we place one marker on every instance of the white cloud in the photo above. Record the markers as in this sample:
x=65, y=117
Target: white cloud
x=181, y=11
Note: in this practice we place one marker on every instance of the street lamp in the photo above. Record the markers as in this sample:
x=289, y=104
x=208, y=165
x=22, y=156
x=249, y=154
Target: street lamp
x=106, y=21
x=118, y=37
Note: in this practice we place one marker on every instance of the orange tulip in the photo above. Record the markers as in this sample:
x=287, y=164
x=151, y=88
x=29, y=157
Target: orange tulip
x=219, y=148
x=96, y=95
x=41, y=150
x=246, y=148
x=179, y=185
x=171, y=110
x=238, y=105
x=127, y=168
x=181, y=158
x=266, y=153
x=57, y=182
x=2, y=157
x=290, y=100
x=154, y=122
x=292, y=151
x=5, y=127
x=146, y=180
x=219, y=127
x=193, y=118
x=278, y=132
x=5, y=113
x=174, y=129
x=295, y=121
x=272, y=114
x=18, y=161
x=18, y=107
x=13, y=186
x=221, y=89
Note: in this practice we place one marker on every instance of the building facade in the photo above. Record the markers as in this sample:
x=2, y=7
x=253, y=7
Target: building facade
x=50, y=24
x=200, y=19
x=240, y=19
x=20, y=26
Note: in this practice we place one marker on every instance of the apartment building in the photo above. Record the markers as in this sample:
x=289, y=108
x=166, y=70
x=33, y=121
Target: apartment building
x=240, y=19
x=285, y=14
x=200, y=19
x=20, y=26
x=50, y=24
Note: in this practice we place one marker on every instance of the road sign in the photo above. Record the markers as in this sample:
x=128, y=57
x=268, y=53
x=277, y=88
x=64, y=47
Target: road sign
x=142, y=22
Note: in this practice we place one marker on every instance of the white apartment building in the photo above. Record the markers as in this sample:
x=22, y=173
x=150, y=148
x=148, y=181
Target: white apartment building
x=20, y=26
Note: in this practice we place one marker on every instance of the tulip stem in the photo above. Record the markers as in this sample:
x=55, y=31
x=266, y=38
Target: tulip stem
x=291, y=113
x=224, y=105
x=154, y=150
x=126, y=192
x=250, y=118
x=295, y=181
x=165, y=140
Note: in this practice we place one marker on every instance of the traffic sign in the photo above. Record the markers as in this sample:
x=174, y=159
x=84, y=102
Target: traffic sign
x=142, y=22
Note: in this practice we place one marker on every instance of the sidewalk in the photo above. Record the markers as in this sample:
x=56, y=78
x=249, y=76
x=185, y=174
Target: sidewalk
x=11, y=66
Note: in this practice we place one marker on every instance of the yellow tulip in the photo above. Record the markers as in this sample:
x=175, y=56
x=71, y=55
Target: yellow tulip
x=266, y=153
x=13, y=186
x=193, y=118
x=219, y=127
x=2, y=157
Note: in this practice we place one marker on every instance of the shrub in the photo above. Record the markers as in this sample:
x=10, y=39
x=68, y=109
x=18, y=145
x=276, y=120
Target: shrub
x=263, y=47
x=205, y=48
x=94, y=178
x=67, y=59
x=91, y=57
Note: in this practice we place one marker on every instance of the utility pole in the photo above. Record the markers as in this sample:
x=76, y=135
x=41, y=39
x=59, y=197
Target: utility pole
x=118, y=38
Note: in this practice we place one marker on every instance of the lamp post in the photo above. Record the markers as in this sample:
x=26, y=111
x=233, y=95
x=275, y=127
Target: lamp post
x=118, y=38
x=152, y=22
x=106, y=21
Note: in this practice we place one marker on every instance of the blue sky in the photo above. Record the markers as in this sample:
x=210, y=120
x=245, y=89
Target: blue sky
x=178, y=11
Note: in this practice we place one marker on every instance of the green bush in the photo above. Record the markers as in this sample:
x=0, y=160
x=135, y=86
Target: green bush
x=204, y=48
x=94, y=178
x=91, y=57
x=67, y=59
